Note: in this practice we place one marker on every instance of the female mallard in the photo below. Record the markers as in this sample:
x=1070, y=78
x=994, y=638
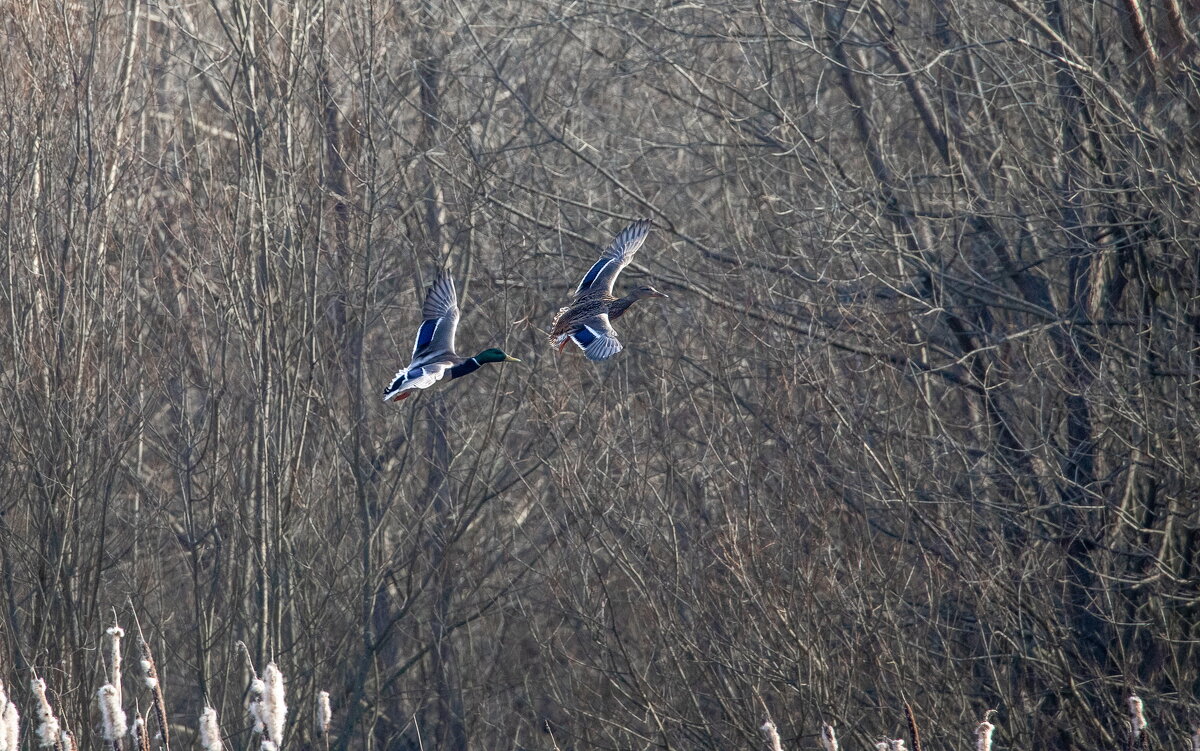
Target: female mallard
x=587, y=321
x=433, y=354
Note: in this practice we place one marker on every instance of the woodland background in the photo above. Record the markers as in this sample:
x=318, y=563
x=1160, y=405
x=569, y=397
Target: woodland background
x=918, y=423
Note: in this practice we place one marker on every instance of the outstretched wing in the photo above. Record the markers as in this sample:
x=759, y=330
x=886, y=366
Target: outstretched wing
x=616, y=256
x=435, y=338
x=596, y=338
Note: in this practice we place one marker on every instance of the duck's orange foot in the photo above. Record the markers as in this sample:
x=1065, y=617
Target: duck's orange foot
x=403, y=396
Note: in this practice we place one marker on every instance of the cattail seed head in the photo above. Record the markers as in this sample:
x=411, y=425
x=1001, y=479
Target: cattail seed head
x=828, y=738
x=1137, y=716
x=983, y=736
x=48, y=728
x=210, y=731
x=274, y=702
x=255, y=704
x=897, y=744
x=66, y=741
x=771, y=733
x=10, y=727
x=115, y=633
x=112, y=716
x=149, y=675
x=324, y=714
x=882, y=746
x=5, y=745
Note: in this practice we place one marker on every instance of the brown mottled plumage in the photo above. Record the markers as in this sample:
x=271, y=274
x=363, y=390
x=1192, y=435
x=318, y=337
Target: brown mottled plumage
x=587, y=321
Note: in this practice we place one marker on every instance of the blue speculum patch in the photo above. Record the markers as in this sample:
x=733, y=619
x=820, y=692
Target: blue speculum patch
x=593, y=272
x=425, y=333
x=584, y=337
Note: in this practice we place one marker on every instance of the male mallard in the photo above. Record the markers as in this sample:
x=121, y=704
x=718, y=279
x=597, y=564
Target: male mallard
x=433, y=354
x=587, y=321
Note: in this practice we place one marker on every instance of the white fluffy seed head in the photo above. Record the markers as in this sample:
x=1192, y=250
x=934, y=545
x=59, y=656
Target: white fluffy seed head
x=210, y=731
x=1137, y=716
x=112, y=717
x=115, y=633
x=4, y=741
x=897, y=744
x=66, y=741
x=148, y=674
x=828, y=738
x=771, y=733
x=48, y=729
x=275, y=703
x=11, y=730
x=324, y=714
x=255, y=704
x=882, y=746
x=983, y=736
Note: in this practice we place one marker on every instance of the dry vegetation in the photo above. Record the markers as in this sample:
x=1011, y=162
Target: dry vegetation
x=918, y=423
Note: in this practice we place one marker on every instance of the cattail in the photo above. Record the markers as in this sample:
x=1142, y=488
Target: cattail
x=12, y=727
x=828, y=738
x=115, y=633
x=1137, y=717
x=897, y=744
x=274, y=703
x=150, y=676
x=8, y=738
x=66, y=741
x=112, y=717
x=256, y=705
x=771, y=733
x=324, y=715
x=983, y=736
x=48, y=729
x=210, y=731
x=141, y=740
x=882, y=746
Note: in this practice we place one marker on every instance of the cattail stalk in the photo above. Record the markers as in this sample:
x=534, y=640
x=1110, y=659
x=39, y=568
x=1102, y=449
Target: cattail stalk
x=10, y=723
x=912, y=727
x=141, y=739
x=1137, y=720
x=115, y=633
x=150, y=676
x=274, y=703
x=771, y=733
x=48, y=727
x=829, y=740
x=324, y=714
x=112, y=717
x=256, y=705
x=983, y=736
x=210, y=731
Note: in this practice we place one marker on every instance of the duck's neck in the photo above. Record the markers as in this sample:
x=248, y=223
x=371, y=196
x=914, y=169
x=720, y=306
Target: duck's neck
x=617, y=307
x=466, y=367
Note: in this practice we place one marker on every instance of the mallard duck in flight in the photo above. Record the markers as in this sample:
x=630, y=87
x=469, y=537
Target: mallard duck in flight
x=587, y=321
x=433, y=354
